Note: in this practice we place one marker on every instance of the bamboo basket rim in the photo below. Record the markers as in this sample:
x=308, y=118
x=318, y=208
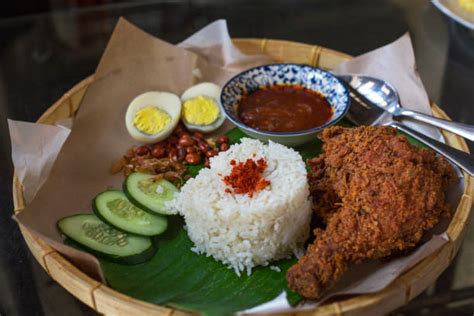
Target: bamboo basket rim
x=108, y=301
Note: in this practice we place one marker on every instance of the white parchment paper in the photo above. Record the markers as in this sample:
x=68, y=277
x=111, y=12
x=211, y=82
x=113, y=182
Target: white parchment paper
x=34, y=151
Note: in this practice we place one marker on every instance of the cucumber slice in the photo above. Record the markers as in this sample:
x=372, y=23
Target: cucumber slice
x=96, y=237
x=149, y=194
x=115, y=209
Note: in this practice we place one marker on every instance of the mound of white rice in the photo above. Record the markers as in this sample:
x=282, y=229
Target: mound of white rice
x=243, y=231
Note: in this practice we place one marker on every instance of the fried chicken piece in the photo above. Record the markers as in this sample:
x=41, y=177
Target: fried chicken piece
x=376, y=193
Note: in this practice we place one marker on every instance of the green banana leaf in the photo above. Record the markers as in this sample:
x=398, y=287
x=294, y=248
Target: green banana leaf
x=180, y=278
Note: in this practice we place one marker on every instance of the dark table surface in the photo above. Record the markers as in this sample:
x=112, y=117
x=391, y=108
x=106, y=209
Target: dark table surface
x=43, y=55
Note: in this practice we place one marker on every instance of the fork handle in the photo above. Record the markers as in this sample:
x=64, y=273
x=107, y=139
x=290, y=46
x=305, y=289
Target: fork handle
x=464, y=130
x=460, y=158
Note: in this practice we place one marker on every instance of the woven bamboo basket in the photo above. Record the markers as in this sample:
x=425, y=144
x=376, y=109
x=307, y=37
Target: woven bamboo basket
x=108, y=301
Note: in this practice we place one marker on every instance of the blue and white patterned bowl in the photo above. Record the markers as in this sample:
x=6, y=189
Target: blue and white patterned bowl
x=276, y=74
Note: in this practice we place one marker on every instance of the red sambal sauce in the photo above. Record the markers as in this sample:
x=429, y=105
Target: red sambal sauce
x=246, y=177
x=284, y=108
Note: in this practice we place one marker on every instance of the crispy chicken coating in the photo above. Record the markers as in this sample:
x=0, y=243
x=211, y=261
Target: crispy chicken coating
x=376, y=193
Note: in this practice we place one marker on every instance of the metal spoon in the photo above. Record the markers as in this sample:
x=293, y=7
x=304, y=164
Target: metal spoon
x=384, y=95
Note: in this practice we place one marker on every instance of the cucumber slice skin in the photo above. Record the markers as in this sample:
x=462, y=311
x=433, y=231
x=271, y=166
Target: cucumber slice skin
x=132, y=180
x=163, y=221
x=129, y=261
x=134, y=259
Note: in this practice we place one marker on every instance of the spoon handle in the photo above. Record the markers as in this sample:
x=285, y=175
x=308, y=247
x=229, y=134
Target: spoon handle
x=460, y=158
x=464, y=130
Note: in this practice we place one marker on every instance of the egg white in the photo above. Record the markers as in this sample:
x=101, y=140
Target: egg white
x=164, y=101
x=210, y=90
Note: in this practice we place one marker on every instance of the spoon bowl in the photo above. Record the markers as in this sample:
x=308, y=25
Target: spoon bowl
x=379, y=92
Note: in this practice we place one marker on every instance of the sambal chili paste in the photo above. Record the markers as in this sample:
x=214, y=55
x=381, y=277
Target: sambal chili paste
x=284, y=108
x=246, y=177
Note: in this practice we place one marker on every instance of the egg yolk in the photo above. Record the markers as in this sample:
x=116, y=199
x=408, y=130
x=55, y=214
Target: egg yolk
x=150, y=120
x=200, y=111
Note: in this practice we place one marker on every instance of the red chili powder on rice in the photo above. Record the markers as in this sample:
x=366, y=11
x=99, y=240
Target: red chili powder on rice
x=246, y=177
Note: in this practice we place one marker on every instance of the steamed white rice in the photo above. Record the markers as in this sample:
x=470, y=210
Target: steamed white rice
x=243, y=231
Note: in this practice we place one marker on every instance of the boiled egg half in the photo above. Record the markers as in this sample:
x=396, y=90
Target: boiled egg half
x=152, y=116
x=201, y=109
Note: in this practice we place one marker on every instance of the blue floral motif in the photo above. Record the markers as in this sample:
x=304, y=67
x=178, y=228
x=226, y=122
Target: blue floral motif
x=277, y=74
